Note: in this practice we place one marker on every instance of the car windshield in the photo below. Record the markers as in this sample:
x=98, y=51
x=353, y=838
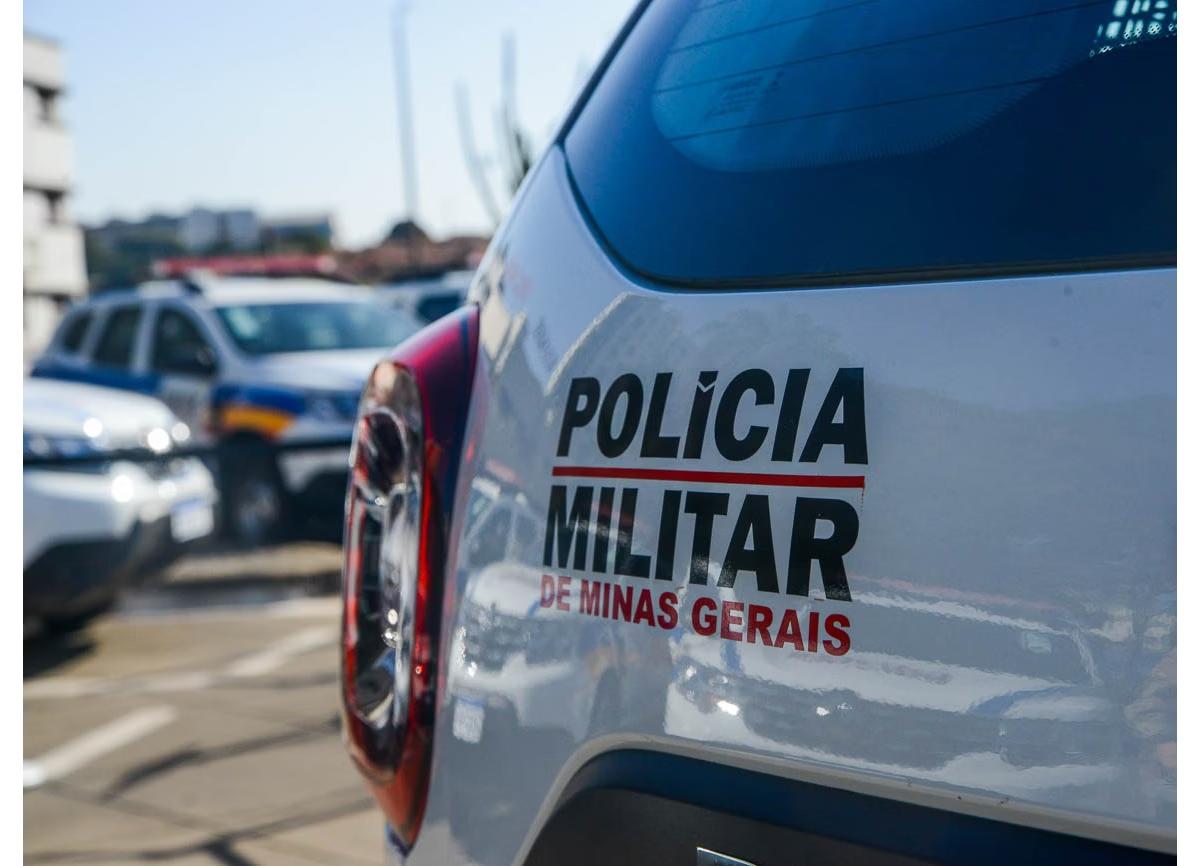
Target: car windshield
x=269, y=329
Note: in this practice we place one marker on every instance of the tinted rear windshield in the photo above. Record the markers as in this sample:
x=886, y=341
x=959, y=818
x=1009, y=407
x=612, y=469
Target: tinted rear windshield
x=830, y=140
x=267, y=329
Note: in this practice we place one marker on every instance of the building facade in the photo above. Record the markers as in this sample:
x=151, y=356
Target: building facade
x=202, y=230
x=123, y=252
x=314, y=232
x=54, y=271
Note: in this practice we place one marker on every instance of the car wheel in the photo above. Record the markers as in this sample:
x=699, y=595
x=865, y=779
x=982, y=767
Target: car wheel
x=255, y=508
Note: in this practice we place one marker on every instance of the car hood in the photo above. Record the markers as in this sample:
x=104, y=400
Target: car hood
x=63, y=408
x=344, y=370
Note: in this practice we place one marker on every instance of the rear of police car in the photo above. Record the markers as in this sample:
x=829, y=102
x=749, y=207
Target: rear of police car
x=799, y=487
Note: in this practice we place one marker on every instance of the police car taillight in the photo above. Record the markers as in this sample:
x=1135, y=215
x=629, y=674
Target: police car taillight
x=408, y=444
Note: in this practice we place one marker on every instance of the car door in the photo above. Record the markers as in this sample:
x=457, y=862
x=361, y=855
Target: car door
x=182, y=356
x=115, y=357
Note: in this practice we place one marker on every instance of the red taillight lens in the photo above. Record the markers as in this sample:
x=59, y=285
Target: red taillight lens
x=404, y=473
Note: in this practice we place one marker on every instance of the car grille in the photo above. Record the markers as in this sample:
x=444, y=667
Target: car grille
x=492, y=637
x=164, y=468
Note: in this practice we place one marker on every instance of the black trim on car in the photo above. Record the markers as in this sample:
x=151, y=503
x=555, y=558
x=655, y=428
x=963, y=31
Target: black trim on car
x=624, y=801
x=859, y=278
x=598, y=73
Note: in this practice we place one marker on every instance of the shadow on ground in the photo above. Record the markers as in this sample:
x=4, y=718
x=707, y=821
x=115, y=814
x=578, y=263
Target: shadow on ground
x=49, y=650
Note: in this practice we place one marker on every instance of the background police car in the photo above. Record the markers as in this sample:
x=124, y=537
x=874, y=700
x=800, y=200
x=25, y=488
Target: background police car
x=248, y=364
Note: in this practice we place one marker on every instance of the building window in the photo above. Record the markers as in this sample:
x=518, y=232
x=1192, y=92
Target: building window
x=45, y=103
x=56, y=210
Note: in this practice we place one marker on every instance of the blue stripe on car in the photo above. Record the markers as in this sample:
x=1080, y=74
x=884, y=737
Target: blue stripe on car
x=281, y=399
x=142, y=383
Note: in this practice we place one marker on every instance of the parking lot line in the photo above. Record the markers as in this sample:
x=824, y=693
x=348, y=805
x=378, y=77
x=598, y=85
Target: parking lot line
x=277, y=654
x=291, y=608
x=265, y=661
x=81, y=751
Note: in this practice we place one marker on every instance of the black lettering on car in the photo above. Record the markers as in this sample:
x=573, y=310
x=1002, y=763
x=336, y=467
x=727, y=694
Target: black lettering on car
x=618, y=416
x=731, y=446
x=705, y=507
x=560, y=526
x=846, y=394
x=654, y=443
x=753, y=520
x=583, y=398
x=613, y=443
x=828, y=551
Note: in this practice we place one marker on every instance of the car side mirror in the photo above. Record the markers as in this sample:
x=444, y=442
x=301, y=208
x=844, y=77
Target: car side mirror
x=206, y=363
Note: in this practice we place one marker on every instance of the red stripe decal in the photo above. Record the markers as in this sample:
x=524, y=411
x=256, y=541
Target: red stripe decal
x=767, y=479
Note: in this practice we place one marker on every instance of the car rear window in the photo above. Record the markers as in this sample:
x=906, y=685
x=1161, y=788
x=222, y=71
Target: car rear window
x=749, y=141
x=115, y=348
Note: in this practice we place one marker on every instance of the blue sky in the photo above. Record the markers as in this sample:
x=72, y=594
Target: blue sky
x=290, y=106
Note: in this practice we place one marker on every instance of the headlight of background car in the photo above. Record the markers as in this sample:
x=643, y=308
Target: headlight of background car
x=331, y=405
x=48, y=445
x=160, y=440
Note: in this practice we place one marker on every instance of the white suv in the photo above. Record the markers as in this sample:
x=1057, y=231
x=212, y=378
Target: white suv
x=832, y=345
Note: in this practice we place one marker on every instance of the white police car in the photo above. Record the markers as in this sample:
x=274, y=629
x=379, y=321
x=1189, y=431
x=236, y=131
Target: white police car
x=249, y=364
x=832, y=346
x=106, y=498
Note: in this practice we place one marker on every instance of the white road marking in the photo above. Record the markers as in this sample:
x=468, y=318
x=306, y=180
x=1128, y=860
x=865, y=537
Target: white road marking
x=291, y=608
x=81, y=751
x=64, y=687
x=276, y=655
x=294, y=608
x=265, y=661
x=182, y=681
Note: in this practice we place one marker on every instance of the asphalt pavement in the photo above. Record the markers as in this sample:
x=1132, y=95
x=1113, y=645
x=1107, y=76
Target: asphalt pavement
x=197, y=724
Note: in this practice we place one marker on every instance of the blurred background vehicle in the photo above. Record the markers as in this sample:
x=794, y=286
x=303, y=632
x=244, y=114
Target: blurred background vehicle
x=427, y=300
x=249, y=364
x=93, y=525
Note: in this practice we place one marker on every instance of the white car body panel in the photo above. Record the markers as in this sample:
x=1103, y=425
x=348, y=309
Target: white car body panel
x=1015, y=556
x=63, y=408
x=61, y=507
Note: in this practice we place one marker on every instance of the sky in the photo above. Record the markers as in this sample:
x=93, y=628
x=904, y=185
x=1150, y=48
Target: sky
x=290, y=107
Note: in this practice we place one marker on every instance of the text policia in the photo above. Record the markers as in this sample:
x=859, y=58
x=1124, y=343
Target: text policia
x=594, y=509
